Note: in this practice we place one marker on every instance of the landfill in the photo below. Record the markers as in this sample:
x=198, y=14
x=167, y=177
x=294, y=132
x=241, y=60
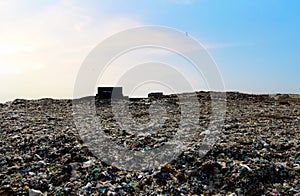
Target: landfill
x=257, y=151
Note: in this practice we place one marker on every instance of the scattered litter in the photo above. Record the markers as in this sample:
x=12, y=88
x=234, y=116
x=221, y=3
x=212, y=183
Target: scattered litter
x=256, y=154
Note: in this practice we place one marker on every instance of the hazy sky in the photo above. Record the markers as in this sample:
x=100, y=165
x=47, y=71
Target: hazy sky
x=256, y=44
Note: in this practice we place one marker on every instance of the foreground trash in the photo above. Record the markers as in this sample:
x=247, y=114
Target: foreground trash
x=257, y=152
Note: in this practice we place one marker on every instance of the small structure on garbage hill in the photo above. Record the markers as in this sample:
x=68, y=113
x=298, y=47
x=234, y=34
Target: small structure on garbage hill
x=110, y=92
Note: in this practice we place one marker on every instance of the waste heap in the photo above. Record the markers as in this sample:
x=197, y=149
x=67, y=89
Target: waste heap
x=257, y=153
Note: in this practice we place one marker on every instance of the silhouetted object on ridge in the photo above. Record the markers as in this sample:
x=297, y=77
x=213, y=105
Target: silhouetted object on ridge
x=109, y=92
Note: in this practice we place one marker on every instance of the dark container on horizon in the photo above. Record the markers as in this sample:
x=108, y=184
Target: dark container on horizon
x=108, y=92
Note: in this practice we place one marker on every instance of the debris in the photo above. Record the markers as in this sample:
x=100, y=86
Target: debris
x=33, y=192
x=257, y=153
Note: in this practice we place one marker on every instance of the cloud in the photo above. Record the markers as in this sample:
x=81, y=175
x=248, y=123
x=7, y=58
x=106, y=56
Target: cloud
x=9, y=67
x=45, y=45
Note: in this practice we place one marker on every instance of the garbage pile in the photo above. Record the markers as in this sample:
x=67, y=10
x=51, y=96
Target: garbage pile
x=257, y=153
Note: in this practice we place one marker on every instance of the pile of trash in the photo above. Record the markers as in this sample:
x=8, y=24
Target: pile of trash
x=257, y=152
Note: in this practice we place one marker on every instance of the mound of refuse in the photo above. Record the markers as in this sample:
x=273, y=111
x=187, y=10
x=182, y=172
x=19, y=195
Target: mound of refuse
x=257, y=151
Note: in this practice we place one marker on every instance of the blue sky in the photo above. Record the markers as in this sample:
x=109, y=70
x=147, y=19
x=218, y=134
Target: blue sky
x=255, y=44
